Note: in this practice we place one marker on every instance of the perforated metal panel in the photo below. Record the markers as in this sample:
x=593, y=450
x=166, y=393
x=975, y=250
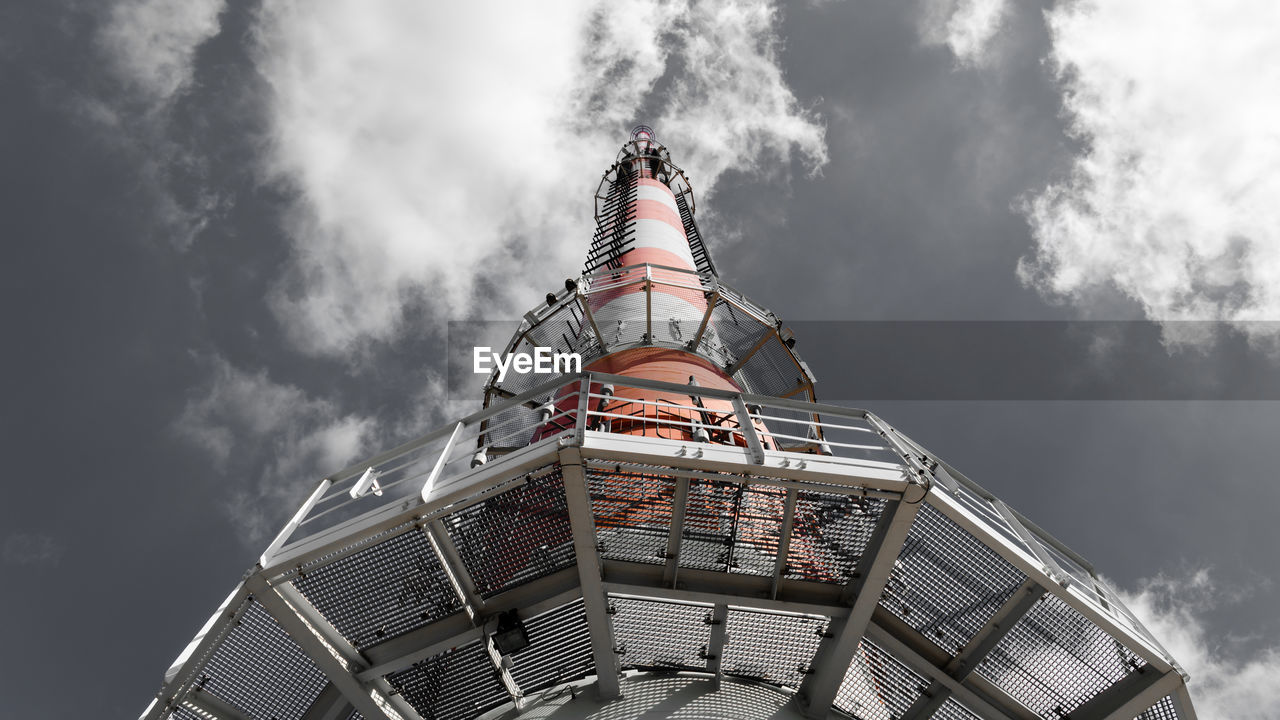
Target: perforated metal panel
x=731, y=526
x=708, y=524
x=632, y=513
x=454, y=685
x=384, y=591
x=757, y=530
x=659, y=634
x=829, y=535
x=559, y=649
x=952, y=709
x=946, y=584
x=517, y=536
x=1163, y=710
x=1054, y=659
x=260, y=670
x=877, y=685
x=771, y=647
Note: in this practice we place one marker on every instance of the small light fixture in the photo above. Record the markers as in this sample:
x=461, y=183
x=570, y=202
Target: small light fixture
x=510, y=635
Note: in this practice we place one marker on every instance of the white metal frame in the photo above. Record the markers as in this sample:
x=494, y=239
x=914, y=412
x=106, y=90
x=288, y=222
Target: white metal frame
x=911, y=477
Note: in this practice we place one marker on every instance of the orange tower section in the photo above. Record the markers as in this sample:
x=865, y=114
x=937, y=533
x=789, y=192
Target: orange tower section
x=650, y=306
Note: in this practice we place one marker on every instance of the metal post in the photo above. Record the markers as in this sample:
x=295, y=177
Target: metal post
x=455, y=568
x=208, y=703
x=338, y=666
x=834, y=654
x=987, y=637
x=748, y=430
x=986, y=708
x=784, y=539
x=595, y=602
x=430, y=484
x=1129, y=696
x=679, y=505
x=719, y=638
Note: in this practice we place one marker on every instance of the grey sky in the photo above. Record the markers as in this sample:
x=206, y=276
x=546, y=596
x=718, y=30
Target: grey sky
x=202, y=322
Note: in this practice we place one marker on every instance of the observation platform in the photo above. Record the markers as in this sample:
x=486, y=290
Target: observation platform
x=808, y=561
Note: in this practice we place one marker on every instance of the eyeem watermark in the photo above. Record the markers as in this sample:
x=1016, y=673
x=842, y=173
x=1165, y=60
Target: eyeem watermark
x=542, y=361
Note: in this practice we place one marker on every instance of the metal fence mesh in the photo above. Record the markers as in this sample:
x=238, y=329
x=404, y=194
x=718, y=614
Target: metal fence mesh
x=632, y=513
x=260, y=670
x=515, y=537
x=877, y=685
x=654, y=634
x=455, y=685
x=381, y=592
x=1054, y=659
x=946, y=584
x=829, y=535
x=771, y=647
x=559, y=649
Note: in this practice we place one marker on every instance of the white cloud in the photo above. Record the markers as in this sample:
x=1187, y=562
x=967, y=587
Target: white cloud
x=153, y=42
x=1225, y=684
x=966, y=27
x=30, y=549
x=1173, y=202
x=437, y=151
x=150, y=47
x=275, y=437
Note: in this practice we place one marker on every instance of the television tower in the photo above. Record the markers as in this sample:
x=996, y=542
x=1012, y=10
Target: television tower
x=677, y=529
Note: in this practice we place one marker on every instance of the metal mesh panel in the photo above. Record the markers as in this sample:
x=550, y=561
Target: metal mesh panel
x=650, y=633
x=455, y=685
x=946, y=583
x=260, y=670
x=952, y=709
x=1054, y=659
x=632, y=513
x=676, y=312
x=829, y=535
x=730, y=334
x=515, y=426
x=709, y=524
x=521, y=535
x=877, y=685
x=384, y=591
x=774, y=648
x=182, y=713
x=559, y=649
x=1163, y=710
x=622, y=320
x=771, y=371
x=757, y=530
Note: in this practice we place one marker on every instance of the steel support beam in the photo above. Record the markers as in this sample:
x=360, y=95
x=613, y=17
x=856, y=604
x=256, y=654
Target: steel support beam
x=207, y=702
x=324, y=645
x=966, y=661
x=716, y=643
x=1182, y=703
x=986, y=707
x=834, y=654
x=784, y=539
x=455, y=568
x=1129, y=696
x=330, y=705
x=748, y=427
x=594, y=601
x=679, y=504
x=1033, y=543
x=531, y=598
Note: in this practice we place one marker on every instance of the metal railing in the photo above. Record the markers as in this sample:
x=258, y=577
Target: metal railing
x=459, y=461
